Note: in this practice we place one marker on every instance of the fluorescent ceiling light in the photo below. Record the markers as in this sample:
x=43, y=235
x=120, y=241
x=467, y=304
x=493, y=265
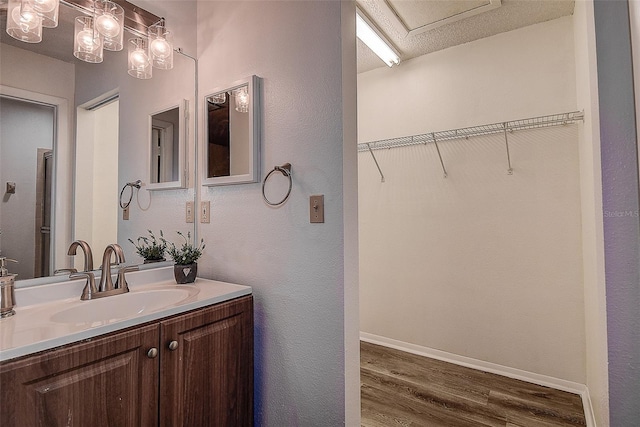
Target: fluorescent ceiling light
x=370, y=36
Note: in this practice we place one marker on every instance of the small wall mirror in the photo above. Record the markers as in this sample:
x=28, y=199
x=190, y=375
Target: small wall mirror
x=166, y=147
x=232, y=134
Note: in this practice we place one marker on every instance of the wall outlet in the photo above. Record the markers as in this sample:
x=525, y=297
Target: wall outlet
x=205, y=212
x=316, y=209
x=125, y=214
x=189, y=212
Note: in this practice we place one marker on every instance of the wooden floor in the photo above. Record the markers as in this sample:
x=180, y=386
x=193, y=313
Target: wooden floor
x=402, y=389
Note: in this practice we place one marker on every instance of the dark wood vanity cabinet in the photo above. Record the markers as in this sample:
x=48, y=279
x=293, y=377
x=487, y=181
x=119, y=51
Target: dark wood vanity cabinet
x=193, y=369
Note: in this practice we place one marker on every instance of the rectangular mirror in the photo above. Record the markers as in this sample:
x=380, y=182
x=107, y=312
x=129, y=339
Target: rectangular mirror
x=166, y=147
x=232, y=134
x=66, y=179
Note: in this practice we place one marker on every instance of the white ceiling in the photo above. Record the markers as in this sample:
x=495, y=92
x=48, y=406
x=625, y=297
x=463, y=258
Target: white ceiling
x=510, y=15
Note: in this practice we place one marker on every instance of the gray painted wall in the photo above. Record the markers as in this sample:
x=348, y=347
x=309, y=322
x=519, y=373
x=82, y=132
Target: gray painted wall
x=621, y=209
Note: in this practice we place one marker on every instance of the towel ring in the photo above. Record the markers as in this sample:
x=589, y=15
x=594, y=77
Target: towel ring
x=135, y=184
x=284, y=170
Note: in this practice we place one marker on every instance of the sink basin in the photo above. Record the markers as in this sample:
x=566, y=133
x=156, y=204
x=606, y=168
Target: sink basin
x=113, y=308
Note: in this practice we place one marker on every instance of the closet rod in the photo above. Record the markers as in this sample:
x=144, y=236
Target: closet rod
x=522, y=124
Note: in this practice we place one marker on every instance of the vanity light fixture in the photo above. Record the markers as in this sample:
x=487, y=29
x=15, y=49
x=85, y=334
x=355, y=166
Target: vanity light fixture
x=110, y=24
x=23, y=22
x=219, y=98
x=242, y=100
x=48, y=11
x=373, y=38
x=87, y=41
x=139, y=58
x=100, y=28
x=161, y=46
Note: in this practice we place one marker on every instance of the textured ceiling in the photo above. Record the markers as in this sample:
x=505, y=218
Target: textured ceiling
x=511, y=15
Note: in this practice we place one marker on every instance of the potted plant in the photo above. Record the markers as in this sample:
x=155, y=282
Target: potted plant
x=150, y=248
x=185, y=257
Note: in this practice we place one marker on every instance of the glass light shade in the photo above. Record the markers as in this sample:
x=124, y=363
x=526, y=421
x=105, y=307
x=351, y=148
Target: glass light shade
x=87, y=42
x=242, y=100
x=161, y=46
x=139, y=59
x=219, y=98
x=48, y=10
x=110, y=24
x=23, y=22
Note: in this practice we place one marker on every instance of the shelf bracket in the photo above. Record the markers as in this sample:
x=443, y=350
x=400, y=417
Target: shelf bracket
x=444, y=170
x=376, y=162
x=506, y=143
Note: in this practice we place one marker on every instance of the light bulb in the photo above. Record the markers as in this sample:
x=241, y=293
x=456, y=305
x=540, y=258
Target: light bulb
x=27, y=20
x=87, y=41
x=45, y=6
x=160, y=48
x=139, y=59
x=108, y=25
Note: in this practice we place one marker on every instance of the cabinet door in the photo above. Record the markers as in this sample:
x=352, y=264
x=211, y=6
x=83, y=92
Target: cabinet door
x=107, y=381
x=207, y=380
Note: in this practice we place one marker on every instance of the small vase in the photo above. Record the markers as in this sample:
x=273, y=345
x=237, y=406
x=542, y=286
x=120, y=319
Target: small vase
x=185, y=273
x=149, y=261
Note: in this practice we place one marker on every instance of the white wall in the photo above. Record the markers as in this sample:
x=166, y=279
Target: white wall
x=591, y=195
x=96, y=194
x=480, y=264
x=621, y=208
x=296, y=269
x=524, y=73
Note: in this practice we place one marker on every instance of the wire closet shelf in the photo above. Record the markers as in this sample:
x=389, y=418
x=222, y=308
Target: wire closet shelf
x=446, y=135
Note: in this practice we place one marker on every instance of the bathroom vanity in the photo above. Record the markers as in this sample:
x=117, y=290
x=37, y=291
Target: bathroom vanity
x=187, y=364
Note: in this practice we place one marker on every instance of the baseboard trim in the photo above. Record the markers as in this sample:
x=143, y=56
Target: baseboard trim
x=494, y=368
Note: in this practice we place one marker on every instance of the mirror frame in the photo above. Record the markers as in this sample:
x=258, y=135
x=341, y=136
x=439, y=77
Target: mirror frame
x=253, y=86
x=183, y=137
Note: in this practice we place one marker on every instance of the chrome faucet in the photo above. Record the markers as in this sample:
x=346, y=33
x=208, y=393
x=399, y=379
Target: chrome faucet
x=86, y=249
x=106, y=284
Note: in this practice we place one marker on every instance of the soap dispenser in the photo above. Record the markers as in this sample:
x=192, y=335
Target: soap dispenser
x=7, y=295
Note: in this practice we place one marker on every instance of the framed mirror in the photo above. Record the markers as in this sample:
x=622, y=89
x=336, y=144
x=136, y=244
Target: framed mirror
x=231, y=152
x=61, y=167
x=167, y=136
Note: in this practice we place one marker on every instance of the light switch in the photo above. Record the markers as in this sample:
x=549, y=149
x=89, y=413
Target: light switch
x=189, y=212
x=205, y=214
x=316, y=209
x=11, y=188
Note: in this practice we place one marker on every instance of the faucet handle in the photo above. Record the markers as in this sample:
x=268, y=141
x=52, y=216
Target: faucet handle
x=121, y=281
x=90, y=288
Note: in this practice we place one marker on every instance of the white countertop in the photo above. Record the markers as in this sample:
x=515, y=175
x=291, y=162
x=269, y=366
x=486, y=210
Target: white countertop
x=32, y=329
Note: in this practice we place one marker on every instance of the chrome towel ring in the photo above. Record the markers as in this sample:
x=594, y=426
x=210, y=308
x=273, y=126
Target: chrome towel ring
x=135, y=184
x=284, y=170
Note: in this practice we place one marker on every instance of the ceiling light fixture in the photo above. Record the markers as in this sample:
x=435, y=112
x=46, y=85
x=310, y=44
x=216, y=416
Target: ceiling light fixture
x=373, y=38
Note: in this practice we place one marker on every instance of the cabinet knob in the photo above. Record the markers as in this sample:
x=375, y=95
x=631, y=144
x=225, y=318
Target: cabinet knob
x=173, y=345
x=152, y=353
